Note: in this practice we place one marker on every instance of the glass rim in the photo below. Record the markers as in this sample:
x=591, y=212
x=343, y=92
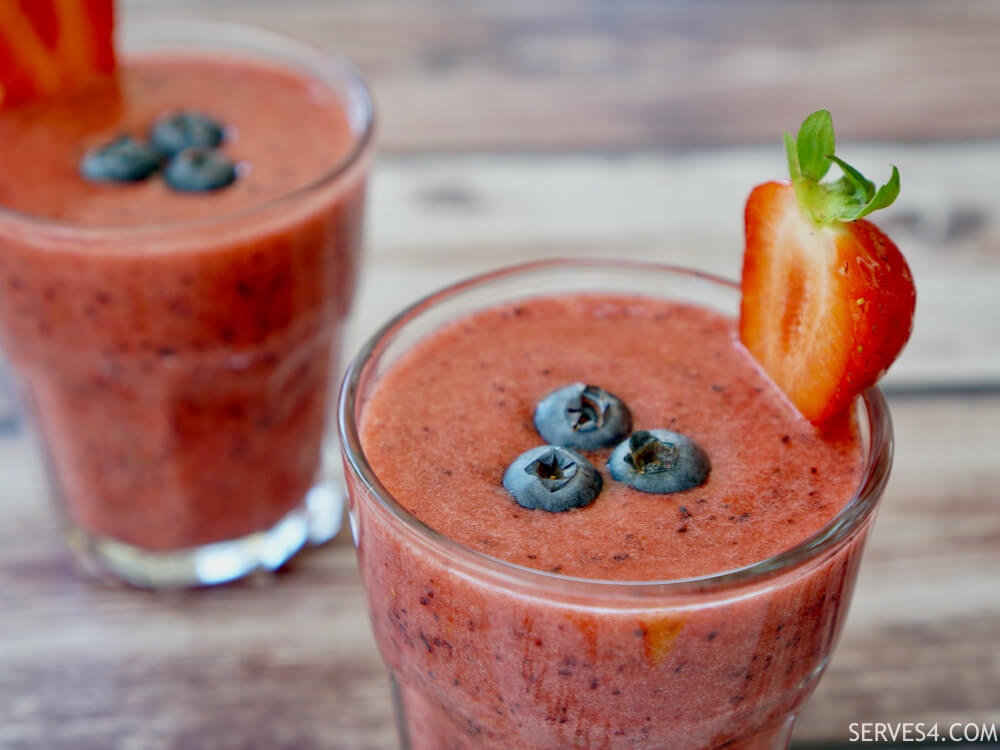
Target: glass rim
x=848, y=521
x=258, y=43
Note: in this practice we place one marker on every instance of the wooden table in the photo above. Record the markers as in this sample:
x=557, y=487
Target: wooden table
x=521, y=129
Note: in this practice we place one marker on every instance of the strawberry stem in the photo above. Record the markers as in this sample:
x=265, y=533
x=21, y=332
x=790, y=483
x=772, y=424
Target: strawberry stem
x=810, y=156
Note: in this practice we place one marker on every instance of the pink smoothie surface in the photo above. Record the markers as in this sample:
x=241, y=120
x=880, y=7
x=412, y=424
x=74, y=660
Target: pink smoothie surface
x=284, y=130
x=449, y=417
x=180, y=376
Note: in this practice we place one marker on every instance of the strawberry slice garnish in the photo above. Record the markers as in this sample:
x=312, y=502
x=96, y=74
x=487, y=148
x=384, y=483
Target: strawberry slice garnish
x=53, y=47
x=828, y=299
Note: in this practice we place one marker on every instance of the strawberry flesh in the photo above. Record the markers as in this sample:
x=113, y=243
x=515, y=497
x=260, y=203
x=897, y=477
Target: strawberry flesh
x=54, y=47
x=826, y=308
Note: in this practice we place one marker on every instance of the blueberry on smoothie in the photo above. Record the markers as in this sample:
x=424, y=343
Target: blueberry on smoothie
x=552, y=478
x=175, y=131
x=583, y=417
x=199, y=170
x=659, y=461
x=125, y=159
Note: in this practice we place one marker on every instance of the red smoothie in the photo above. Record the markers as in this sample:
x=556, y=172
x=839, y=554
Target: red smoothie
x=510, y=652
x=176, y=348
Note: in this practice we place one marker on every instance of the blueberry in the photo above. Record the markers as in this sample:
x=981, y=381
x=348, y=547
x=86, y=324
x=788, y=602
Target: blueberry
x=552, y=478
x=124, y=159
x=583, y=417
x=198, y=170
x=659, y=461
x=175, y=131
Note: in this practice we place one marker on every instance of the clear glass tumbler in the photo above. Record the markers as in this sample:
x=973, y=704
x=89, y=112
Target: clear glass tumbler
x=501, y=656
x=177, y=374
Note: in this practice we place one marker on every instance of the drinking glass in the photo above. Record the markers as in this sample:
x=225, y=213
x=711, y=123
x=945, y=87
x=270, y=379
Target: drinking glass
x=485, y=654
x=177, y=375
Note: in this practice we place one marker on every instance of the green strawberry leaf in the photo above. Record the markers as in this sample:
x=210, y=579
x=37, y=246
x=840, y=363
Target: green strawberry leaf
x=857, y=183
x=885, y=195
x=846, y=199
x=793, y=158
x=815, y=145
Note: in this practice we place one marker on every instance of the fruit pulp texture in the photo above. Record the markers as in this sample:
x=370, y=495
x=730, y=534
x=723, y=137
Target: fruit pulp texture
x=179, y=377
x=487, y=665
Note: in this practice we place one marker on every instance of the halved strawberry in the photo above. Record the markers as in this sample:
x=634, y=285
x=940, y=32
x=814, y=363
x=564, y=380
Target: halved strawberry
x=51, y=47
x=828, y=299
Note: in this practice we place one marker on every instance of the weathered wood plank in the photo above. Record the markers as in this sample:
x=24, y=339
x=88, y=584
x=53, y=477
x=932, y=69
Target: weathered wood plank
x=597, y=74
x=438, y=218
x=242, y=668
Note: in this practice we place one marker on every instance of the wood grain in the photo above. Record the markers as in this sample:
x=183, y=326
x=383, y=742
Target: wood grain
x=456, y=215
x=292, y=666
x=612, y=75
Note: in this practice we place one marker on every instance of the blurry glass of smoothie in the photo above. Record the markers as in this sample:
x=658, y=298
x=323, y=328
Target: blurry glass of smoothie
x=174, y=349
x=694, y=620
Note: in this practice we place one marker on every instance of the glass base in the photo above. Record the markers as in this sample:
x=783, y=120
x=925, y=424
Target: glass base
x=315, y=521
